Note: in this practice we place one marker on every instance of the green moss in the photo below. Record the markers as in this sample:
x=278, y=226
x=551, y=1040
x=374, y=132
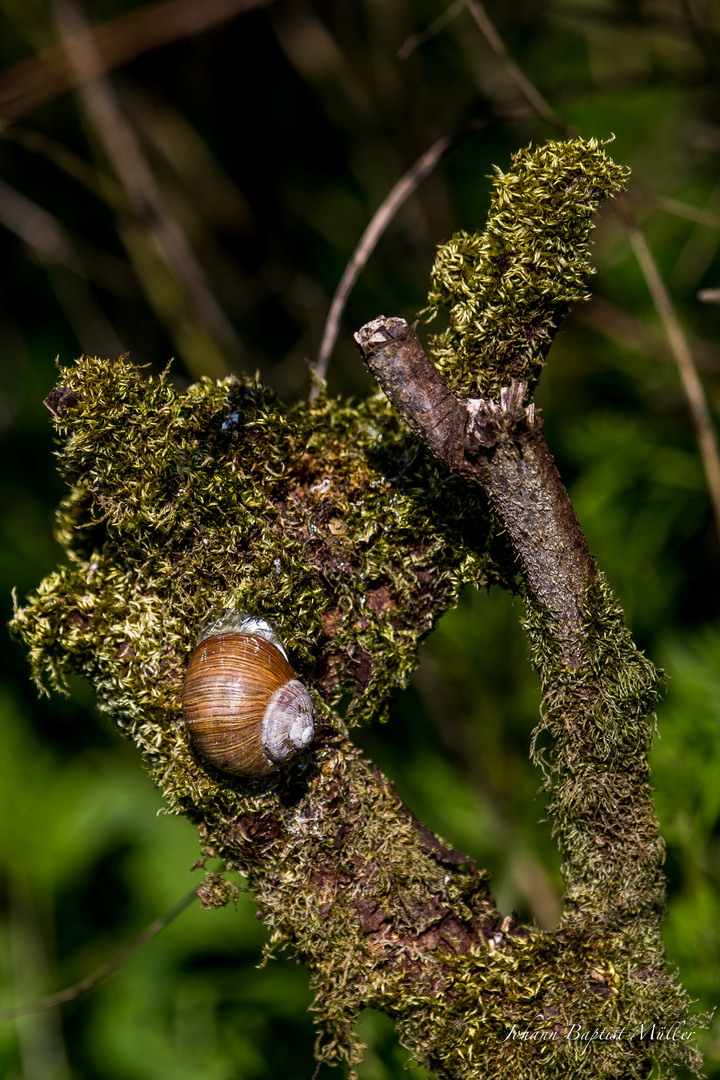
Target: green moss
x=600, y=723
x=509, y=287
x=182, y=505
x=531, y=1007
x=330, y=520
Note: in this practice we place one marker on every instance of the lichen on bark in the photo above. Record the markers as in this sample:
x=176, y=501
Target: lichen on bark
x=337, y=522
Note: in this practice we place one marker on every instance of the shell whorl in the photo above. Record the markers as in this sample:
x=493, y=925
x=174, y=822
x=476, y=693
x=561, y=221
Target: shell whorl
x=242, y=705
x=288, y=721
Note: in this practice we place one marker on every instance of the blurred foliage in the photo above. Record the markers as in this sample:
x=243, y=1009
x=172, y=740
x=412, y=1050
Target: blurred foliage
x=268, y=142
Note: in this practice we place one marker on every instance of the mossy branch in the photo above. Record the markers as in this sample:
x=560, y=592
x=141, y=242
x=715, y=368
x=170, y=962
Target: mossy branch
x=353, y=536
x=500, y=447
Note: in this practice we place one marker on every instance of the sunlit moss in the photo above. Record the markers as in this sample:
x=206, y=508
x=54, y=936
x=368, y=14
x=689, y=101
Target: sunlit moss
x=509, y=287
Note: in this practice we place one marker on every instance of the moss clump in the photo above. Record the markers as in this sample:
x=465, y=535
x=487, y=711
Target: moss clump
x=327, y=519
x=509, y=287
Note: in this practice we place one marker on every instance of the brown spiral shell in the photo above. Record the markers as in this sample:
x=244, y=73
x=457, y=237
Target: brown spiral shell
x=243, y=707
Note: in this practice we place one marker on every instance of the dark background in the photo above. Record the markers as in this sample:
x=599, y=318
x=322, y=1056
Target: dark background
x=270, y=141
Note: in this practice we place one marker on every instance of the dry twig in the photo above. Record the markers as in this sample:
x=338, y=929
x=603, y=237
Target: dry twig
x=91, y=981
x=368, y=241
x=528, y=89
x=524, y=489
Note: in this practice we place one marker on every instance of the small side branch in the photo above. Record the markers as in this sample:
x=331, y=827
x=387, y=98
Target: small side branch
x=500, y=446
x=406, y=185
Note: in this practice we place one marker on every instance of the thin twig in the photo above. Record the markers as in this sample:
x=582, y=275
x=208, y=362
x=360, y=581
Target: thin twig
x=529, y=91
x=540, y=107
x=91, y=981
x=31, y=83
x=704, y=427
x=636, y=335
x=368, y=241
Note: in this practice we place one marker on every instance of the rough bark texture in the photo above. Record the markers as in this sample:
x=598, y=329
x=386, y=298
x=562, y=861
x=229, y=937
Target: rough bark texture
x=499, y=446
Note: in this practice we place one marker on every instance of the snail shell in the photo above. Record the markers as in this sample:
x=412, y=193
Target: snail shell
x=243, y=707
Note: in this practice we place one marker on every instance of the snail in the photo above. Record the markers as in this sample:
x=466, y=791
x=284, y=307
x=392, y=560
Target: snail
x=243, y=707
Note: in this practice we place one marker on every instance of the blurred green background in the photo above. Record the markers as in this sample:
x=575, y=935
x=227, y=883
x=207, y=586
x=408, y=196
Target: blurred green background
x=201, y=202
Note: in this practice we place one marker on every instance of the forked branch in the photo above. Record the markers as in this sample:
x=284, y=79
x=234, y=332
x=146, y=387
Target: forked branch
x=500, y=446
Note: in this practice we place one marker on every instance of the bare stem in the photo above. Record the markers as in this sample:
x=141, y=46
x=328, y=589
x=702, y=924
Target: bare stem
x=368, y=241
x=528, y=89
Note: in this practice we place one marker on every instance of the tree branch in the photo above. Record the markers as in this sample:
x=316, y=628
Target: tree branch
x=332, y=520
x=500, y=447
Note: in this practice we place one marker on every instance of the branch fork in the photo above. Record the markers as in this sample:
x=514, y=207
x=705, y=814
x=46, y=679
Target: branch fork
x=498, y=445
